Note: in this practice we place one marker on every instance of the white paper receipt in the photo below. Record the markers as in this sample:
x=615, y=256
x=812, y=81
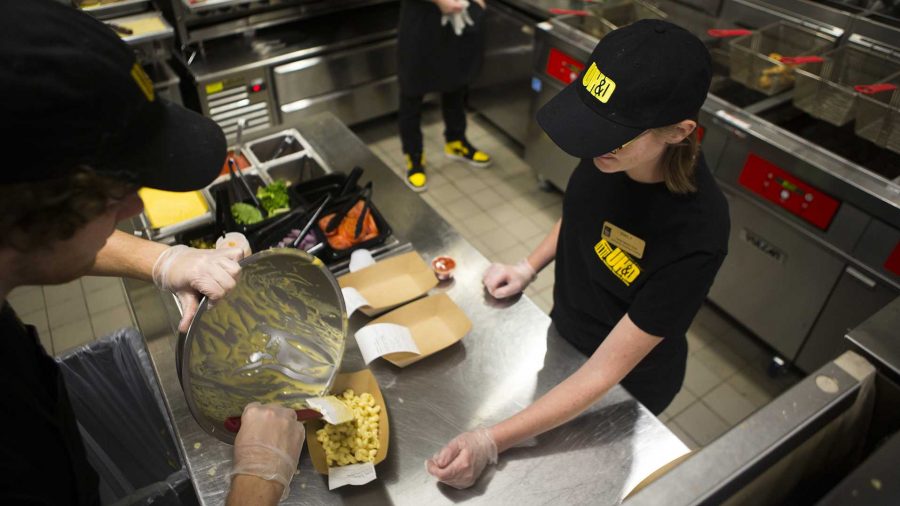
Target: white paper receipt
x=353, y=299
x=354, y=474
x=380, y=339
x=333, y=410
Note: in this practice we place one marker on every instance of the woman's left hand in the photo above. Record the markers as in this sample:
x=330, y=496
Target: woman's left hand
x=461, y=462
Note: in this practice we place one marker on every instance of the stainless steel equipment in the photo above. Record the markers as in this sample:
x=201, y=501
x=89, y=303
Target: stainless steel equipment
x=809, y=201
x=785, y=452
x=152, y=41
x=273, y=63
x=502, y=93
x=831, y=439
x=481, y=379
x=296, y=341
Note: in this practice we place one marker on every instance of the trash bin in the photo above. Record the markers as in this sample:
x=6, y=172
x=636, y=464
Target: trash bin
x=127, y=435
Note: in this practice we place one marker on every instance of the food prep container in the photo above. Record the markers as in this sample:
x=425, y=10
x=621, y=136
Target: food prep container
x=751, y=58
x=609, y=16
x=826, y=90
x=878, y=117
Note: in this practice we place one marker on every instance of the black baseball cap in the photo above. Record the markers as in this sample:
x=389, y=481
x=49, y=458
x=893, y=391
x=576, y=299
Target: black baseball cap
x=648, y=74
x=74, y=94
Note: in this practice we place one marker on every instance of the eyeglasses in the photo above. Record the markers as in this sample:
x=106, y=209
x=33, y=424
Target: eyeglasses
x=623, y=146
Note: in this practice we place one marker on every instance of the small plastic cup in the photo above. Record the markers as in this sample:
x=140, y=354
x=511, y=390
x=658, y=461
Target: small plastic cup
x=360, y=259
x=443, y=267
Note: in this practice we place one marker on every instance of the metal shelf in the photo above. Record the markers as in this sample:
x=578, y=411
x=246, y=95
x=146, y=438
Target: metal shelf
x=114, y=9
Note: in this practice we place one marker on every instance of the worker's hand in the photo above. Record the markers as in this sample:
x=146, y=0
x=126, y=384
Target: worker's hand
x=462, y=461
x=451, y=6
x=504, y=281
x=268, y=444
x=190, y=273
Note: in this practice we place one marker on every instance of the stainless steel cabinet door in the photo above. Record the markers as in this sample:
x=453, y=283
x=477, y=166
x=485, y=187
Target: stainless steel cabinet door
x=774, y=280
x=335, y=72
x=856, y=297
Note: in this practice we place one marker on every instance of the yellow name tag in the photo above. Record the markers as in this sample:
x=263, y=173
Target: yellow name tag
x=617, y=262
x=630, y=243
x=598, y=84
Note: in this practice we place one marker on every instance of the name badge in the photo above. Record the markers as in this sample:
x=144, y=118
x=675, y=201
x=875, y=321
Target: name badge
x=627, y=242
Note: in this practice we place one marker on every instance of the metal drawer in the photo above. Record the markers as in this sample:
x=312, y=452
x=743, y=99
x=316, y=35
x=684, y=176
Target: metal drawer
x=338, y=71
x=351, y=106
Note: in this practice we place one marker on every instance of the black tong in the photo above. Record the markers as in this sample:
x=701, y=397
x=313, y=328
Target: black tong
x=235, y=173
x=312, y=221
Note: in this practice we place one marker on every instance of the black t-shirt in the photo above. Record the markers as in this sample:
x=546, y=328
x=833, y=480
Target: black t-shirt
x=42, y=459
x=603, y=272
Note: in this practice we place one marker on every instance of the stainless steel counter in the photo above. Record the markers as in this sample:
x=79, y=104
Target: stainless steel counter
x=877, y=339
x=502, y=365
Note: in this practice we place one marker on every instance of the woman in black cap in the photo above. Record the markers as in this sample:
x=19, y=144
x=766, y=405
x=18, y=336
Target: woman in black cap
x=643, y=232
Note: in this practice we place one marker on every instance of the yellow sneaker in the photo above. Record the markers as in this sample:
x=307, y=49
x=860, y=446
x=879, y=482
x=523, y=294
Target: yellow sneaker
x=463, y=151
x=415, y=173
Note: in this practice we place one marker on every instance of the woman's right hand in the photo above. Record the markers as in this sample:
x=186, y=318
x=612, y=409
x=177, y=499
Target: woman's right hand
x=450, y=6
x=504, y=281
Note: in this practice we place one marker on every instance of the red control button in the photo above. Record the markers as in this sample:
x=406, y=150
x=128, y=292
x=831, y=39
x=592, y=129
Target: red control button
x=893, y=261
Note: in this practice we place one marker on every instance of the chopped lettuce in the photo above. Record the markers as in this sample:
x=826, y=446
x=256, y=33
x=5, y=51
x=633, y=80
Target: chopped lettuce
x=274, y=197
x=245, y=214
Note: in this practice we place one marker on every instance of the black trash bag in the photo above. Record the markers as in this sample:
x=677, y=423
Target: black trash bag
x=127, y=435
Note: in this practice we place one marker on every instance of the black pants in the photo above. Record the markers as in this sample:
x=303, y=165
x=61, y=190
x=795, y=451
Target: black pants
x=453, y=109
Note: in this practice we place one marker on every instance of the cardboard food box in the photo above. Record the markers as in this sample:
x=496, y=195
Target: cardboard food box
x=360, y=381
x=391, y=282
x=435, y=322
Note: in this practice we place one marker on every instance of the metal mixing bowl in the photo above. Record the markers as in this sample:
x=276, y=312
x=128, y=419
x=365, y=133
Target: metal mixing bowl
x=278, y=336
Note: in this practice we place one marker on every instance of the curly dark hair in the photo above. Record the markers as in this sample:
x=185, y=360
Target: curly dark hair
x=36, y=213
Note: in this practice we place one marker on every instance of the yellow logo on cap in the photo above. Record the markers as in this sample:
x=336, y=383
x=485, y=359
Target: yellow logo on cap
x=598, y=84
x=143, y=81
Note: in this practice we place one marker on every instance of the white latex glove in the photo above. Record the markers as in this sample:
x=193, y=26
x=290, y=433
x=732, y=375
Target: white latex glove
x=268, y=444
x=463, y=460
x=451, y=6
x=458, y=19
x=188, y=272
x=504, y=281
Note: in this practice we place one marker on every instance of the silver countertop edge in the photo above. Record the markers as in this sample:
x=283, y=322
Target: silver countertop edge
x=508, y=359
x=877, y=338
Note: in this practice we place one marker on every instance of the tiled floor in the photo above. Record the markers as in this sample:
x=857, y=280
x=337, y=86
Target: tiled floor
x=502, y=211
x=75, y=313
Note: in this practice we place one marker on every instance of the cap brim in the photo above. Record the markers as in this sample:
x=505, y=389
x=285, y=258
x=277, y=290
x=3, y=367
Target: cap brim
x=182, y=151
x=578, y=130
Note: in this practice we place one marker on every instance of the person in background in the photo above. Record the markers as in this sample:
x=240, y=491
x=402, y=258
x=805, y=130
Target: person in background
x=435, y=56
x=643, y=233
x=82, y=131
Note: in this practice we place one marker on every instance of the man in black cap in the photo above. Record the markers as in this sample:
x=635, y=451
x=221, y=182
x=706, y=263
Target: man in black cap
x=643, y=232
x=82, y=131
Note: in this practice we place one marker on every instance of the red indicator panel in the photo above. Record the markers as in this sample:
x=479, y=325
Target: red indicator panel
x=700, y=133
x=767, y=180
x=893, y=261
x=563, y=67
